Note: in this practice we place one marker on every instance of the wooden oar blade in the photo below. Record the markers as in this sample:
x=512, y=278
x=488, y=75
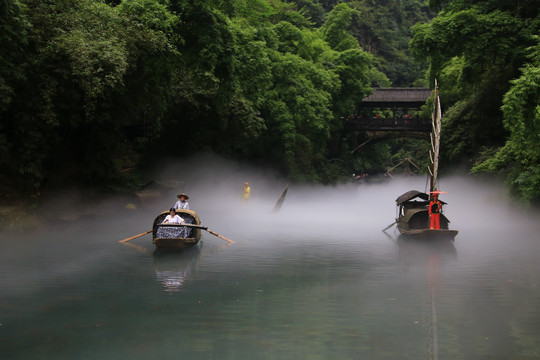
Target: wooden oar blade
x=279, y=202
x=136, y=236
x=389, y=226
x=219, y=236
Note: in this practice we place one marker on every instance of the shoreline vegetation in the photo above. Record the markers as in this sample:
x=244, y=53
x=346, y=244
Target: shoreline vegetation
x=93, y=92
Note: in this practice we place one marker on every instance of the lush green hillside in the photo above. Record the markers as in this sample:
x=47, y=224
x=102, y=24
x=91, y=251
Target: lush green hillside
x=91, y=91
x=487, y=59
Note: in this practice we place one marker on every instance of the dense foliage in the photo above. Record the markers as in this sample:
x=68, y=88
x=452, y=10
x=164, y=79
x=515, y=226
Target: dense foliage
x=89, y=88
x=92, y=90
x=519, y=158
x=485, y=55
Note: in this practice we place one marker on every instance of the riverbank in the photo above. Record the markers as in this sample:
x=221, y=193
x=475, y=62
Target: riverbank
x=17, y=218
x=70, y=205
x=21, y=218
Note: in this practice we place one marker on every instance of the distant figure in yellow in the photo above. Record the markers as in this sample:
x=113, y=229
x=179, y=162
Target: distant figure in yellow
x=245, y=192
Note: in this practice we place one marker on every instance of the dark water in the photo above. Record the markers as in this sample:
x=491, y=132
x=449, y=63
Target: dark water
x=318, y=280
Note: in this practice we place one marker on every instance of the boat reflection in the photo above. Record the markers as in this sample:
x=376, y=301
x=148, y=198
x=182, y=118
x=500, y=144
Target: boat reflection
x=419, y=251
x=175, y=269
x=429, y=258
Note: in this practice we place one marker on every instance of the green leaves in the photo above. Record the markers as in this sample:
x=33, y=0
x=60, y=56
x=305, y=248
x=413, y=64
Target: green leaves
x=356, y=74
x=299, y=109
x=519, y=158
x=12, y=42
x=103, y=82
x=150, y=14
x=336, y=29
x=475, y=49
x=482, y=39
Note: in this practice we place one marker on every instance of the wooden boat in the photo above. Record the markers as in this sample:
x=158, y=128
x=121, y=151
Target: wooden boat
x=176, y=236
x=413, y=206
x=413, y=217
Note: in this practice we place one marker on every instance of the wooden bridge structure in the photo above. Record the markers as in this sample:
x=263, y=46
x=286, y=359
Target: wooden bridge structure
x=403, y=104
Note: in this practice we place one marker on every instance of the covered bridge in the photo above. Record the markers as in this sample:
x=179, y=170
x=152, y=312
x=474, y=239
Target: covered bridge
x=403, y=103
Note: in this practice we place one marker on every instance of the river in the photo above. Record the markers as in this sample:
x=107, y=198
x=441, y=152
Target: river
x=318, y=280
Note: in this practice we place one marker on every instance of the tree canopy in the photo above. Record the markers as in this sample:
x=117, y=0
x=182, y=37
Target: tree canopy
x=89, y=87
x=92, y=90
x=476, y=50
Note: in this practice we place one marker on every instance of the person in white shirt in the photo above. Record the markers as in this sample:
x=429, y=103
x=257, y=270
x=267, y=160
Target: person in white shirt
x=173, y=218
x=182, y=203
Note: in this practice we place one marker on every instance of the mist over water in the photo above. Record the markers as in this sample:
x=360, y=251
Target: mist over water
x=317, y=280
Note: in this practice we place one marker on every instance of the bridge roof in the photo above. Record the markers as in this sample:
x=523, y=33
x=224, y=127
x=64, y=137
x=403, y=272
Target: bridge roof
x=398, y=97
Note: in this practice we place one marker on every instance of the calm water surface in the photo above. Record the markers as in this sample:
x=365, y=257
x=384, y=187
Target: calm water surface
x=319, y=280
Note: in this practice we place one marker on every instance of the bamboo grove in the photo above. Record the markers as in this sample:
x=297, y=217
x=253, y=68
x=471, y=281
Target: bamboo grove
x=91, y=91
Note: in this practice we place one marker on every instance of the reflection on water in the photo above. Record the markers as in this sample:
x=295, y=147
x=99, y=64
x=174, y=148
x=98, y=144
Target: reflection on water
x=295, y=285
x=173, y=269
x=424, y=251
x=430, y=254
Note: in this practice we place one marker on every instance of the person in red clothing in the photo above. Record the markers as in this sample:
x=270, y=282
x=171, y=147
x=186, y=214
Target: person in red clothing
x=435, y=208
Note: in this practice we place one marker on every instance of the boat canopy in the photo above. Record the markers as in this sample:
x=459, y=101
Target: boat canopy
x=410, y=195
x=418, y=218
x=410, y=213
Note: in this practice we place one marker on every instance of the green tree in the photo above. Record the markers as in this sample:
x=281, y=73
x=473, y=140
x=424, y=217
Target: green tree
x=519, y=158
x=298, y=113
x=70, y=102
x=13, y=43
x=336, y=29
x=475, y=51
x=476, y=48
x=90, y=90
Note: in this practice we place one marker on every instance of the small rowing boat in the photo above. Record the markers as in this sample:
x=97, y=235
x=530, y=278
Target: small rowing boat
x=177, y=236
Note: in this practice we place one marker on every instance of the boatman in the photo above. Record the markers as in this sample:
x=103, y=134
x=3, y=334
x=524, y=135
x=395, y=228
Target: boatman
x=435, y=208
x=182, y=203
x=246, y=192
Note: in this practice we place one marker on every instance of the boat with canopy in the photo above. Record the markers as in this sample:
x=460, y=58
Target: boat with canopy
x=177, y=236
x=413, y=213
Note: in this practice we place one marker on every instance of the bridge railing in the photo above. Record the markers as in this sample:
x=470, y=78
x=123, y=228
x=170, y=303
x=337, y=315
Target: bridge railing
x=387, y=124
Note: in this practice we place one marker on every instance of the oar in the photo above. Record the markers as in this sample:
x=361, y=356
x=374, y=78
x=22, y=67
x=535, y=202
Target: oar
x=136, y=236
x=136, y=247
x=389, y=226
x=281, y=198
x=219, y=236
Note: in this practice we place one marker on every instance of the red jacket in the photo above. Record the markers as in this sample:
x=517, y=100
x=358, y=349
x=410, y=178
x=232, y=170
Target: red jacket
x=435, y=207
